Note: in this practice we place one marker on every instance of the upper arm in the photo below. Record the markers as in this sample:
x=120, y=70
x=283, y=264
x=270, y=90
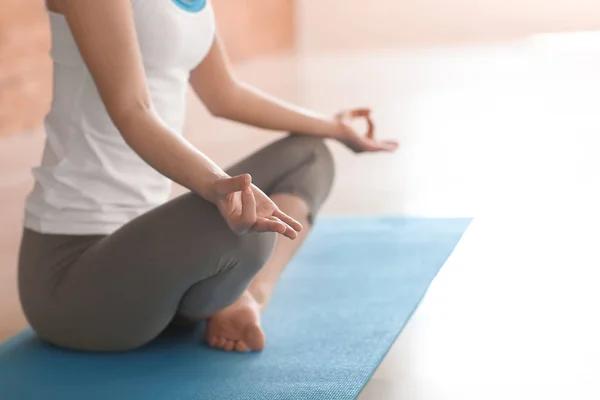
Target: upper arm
x=213, y=79
x=106, y=37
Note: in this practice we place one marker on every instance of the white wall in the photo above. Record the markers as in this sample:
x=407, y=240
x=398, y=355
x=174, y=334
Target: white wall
x=327, y=24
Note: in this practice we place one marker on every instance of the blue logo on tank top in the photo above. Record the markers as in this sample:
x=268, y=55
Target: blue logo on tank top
x=192, y=6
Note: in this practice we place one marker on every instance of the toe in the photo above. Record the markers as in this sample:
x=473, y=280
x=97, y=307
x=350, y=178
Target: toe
x=230, y=345
x=254, y=337
x=212, y=342
x=221, y=342
x=241, y=347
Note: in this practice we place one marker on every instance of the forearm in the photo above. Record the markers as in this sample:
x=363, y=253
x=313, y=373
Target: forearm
x=168, y=153
x=250, y=106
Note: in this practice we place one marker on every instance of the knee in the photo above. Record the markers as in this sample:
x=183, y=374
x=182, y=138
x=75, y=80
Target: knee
x=324, y=161
x=320, y=154
x=323, y=167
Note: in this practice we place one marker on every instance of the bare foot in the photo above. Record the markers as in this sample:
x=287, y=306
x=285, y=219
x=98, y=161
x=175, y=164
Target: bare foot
x=237, y=327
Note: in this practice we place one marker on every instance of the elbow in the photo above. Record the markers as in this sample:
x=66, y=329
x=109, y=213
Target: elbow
x=224, y=103
x=219, y=109
x=126, y=115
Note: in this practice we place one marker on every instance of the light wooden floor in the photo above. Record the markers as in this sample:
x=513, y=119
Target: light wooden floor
x=506, y=133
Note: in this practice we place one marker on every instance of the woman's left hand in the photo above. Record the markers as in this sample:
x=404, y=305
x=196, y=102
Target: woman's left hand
x=246, y=208
x=355, y=140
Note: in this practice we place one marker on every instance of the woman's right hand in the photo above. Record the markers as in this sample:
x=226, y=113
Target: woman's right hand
x=246, y=208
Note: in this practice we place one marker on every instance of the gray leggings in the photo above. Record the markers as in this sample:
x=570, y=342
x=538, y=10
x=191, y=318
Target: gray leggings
x=118, y=292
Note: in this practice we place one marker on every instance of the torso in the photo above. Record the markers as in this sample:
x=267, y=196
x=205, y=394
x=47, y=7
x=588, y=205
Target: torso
x=89, y=180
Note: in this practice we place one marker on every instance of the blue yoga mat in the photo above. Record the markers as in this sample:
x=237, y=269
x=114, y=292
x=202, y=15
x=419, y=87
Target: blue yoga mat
x=336, y=312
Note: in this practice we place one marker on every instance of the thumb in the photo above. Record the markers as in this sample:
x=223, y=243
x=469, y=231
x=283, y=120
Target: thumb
x=225, y=186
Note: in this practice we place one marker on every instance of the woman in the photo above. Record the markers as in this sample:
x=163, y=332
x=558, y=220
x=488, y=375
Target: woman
x=106, y=263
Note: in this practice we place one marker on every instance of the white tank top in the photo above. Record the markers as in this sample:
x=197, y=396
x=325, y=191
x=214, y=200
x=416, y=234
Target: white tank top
x=90, y=181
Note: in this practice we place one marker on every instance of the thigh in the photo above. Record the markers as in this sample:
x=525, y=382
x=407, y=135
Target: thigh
x=125, y=289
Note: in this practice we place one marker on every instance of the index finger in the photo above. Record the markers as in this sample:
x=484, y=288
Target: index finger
x=295, y=225
x=371, y=128
x=360, y=112
x=366, y=114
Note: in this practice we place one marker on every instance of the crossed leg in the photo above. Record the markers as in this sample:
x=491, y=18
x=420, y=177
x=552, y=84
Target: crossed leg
x=180, y=260
x=299, y=192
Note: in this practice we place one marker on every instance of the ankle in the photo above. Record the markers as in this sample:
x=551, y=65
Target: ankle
x=259, y=294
